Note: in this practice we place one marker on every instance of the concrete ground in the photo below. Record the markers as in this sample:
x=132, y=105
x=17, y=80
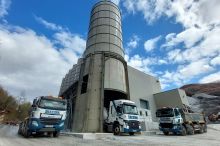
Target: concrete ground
x=9, y=137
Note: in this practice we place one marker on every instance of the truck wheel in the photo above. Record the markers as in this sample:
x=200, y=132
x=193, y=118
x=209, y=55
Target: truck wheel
x=56, y=134
x=116, y=130
x=190, y=130
x=19, y=131
x=201, y=129
x=204, y=128
x=131, y=133
x=27, y=134
x=183, y=131
x=165, y=133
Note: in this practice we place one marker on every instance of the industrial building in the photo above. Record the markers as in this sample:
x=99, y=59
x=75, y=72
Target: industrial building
x=102, y=75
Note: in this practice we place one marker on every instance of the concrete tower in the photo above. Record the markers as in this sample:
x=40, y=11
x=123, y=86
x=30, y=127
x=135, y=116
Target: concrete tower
x=103, y=71
x=102, y=75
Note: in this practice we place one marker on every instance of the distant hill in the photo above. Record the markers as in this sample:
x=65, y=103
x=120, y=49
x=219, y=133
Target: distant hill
x=204, y=97
x=209, y=88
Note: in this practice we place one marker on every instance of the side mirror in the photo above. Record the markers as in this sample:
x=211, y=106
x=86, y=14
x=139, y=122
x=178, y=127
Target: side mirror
x=34, y=103
x=119, y=109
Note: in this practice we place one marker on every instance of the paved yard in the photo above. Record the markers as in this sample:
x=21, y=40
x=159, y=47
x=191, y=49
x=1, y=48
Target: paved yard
x=9, y=137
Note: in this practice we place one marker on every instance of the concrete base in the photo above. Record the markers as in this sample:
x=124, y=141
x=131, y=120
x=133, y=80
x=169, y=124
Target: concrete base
x=148, y=133
x=90, y=136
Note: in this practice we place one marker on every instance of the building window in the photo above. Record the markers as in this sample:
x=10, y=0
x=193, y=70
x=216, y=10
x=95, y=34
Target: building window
x=146, y=114
x=140, y=113
x=84, y=84
x=144, y=104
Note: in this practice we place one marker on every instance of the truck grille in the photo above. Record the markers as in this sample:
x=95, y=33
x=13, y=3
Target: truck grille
x=47, y=121
x=166, y=125
x=133, y=124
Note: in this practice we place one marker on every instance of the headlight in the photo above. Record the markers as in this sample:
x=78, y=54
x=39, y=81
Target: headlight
x=34, y=123
x=61, y=124
x=126, y=124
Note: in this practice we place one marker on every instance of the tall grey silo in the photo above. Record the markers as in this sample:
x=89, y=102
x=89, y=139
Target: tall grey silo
x=103, y=74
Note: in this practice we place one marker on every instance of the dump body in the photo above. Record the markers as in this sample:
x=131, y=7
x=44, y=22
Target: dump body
x=47, y=115
x=171, y=98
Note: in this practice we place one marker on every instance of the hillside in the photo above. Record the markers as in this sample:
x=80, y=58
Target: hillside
x=204, y=97
x=209, y=88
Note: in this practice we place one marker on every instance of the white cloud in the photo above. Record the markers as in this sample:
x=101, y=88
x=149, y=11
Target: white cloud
x=208, y=47
x=71, y=41
x=184, y=73
x=133, y=43
x=4, y=6
x=195, y=68
x=116, y=1
x=142, y=64
x=211, y=78
x=216, y=60
x=150, y=44
x=151, y=9
x=162, y=61
x=175, y=56
x=129, y=5
x=49, y=25
x=187, y=12
x=32, y=63
x=189, y=37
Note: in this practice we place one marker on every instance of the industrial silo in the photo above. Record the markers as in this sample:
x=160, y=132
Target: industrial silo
x=103, y=72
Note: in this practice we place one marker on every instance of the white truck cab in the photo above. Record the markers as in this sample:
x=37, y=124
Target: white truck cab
x=47, y=115
x=122, y=117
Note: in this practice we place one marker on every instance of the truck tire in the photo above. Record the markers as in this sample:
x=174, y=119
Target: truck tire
x=56, y=134
x=190, y=130
x=201, y=129
x=183, y=131
x=116, y=129
x=19, y=130
x=27, y=134
x=165, y=132
x=131, y=133
x=205, y=128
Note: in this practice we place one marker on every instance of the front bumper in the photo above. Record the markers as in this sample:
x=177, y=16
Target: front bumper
x=36, y=125
x=127, y=130
x=175, y=129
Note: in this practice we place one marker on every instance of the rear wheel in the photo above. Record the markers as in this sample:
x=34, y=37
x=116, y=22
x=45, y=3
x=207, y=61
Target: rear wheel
x=165, y=133
x=56, y=134
x=183, y=131
x=116, y=129
x=19, y=130
x=205, y=128
x=131, y=133
x=27, y=134
x=201, y=129
x=190, y=130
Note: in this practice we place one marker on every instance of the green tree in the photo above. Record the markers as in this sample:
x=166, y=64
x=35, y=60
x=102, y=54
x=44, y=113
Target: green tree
x=16, y=111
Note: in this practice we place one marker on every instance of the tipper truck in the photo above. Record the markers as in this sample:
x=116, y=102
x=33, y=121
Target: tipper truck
x=175, y=115
x=122, y=117
x=46, y=116
x=179, y=121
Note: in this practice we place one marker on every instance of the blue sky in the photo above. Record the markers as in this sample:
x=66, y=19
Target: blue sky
x=176, y=41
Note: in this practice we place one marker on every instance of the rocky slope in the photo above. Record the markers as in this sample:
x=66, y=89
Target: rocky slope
x=204, y=97
x=209, y=88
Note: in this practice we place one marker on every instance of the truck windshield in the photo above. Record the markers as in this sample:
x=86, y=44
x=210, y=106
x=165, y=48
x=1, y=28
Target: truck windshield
x=130, y=109
x=165, y=113
x=53, y=104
